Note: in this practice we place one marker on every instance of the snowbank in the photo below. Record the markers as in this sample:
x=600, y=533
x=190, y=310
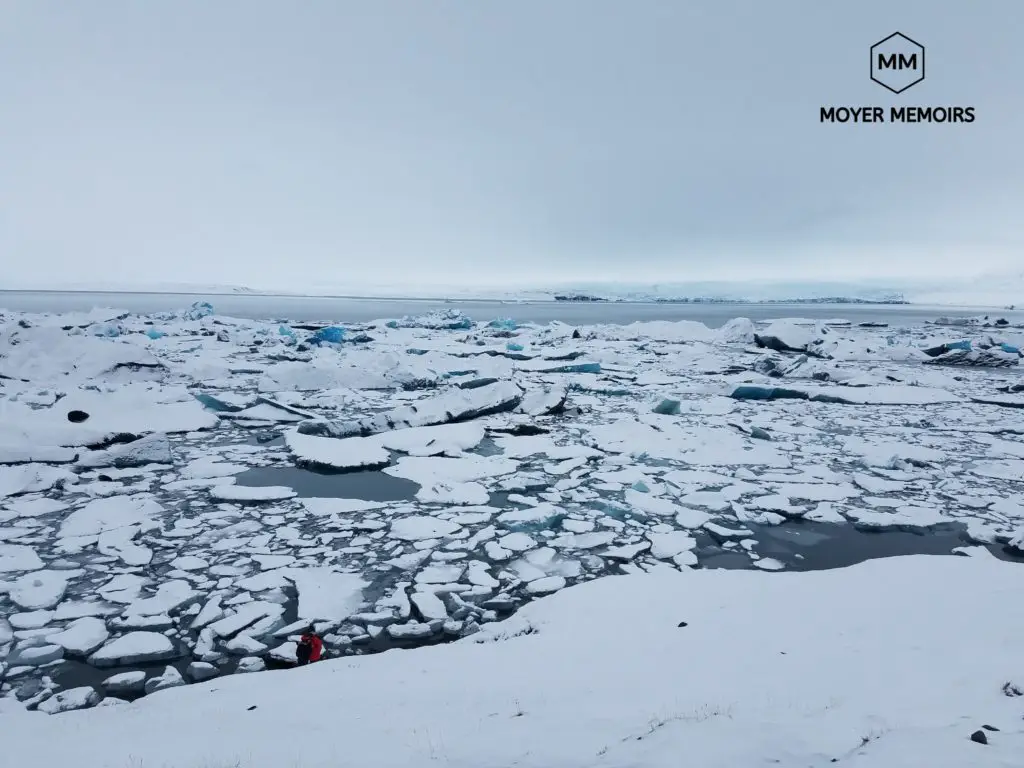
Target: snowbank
x=715, y=669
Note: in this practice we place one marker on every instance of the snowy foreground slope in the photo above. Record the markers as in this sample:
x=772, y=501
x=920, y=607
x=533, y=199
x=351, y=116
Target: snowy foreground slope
x=181, y=494
x=890, y=664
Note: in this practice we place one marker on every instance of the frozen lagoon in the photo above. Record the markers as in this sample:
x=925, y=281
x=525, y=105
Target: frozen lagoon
x=485, y=465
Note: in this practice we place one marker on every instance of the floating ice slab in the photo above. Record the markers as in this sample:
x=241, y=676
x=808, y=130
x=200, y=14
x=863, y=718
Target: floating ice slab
x=29, y=478
x=81, y=637
x=346, y=454
x=325, y=594
x=446, y=439
x=152, y=449
x=421, y=528
x=429, y=606
x=453, y=493
x=18, y=557
x=101, y=515
x=428, y=470
x=134, y=648
x=39, y=589
x=249, y=494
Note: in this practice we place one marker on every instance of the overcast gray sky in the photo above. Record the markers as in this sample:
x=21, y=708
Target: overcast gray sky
x=281, y=144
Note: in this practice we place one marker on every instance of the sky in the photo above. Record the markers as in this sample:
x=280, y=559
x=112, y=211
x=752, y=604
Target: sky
x=296, y=145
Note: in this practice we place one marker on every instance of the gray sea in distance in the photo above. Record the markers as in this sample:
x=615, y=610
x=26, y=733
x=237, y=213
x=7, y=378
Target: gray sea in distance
x=312, y=309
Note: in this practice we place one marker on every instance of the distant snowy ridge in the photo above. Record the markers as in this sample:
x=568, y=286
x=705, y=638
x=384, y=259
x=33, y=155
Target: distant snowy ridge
x=123, y=287
x=993, y=290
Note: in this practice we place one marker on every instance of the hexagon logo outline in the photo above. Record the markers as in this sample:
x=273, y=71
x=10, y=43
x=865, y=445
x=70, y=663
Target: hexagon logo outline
x=897, y=60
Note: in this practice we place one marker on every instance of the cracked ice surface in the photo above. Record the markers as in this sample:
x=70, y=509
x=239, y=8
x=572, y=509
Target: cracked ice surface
x=135, y=528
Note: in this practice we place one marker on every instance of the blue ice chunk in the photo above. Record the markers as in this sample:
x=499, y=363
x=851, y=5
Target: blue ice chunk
x=106, y=329
x=641, y=486
x=575, y=368
x=391, y=324
x=1009, y=348
x=512, y=347
x=332, y=334
x=504, y=323
x=284, y=330
x=215, y=404
x=964, y=345
x=153, y=333
x=199, y=309
x=750, y=392
x=667, y=407
x=416, y=351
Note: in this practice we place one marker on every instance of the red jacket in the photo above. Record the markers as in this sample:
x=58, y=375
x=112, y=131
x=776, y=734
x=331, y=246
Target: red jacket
x=316, y=647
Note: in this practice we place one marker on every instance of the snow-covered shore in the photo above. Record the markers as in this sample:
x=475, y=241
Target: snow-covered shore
x=157, y=527
x=891, y=664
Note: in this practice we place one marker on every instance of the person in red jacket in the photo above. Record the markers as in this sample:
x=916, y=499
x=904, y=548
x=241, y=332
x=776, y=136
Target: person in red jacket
x=309, y=649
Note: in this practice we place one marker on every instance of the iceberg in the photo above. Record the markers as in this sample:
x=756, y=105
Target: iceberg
x=748, y=392
x=447, y=320
x=791, y=336
x=454, y=406
x=329, y=335
x=667, y=407
x=198, y=310
x=503, y=323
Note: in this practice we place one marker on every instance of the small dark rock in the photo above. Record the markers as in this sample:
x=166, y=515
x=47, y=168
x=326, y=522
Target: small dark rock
x=1012, y=690
x=979, y=737
x=990, y=728
x=105, y=478
x=24, y=324
x=575, y=334
x=682, y=624
x=250, y=709
x=759, y=434
x=77, y=417
x=521, y=430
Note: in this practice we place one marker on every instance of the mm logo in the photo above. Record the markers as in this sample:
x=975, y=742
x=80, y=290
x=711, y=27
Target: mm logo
x=897, y=62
